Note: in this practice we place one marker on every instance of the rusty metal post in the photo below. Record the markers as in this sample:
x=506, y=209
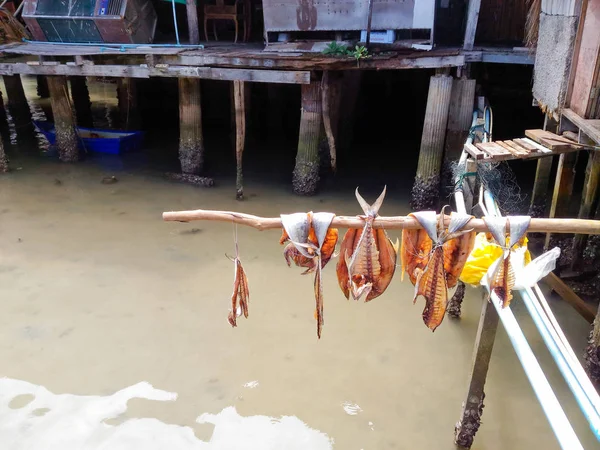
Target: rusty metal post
x=306, y=172
x=64, y=121
x=425, y=192
x=191, y=139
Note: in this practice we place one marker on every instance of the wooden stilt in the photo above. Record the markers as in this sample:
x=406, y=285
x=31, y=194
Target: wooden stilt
x=563, y=188
x=3, y=159
x=460, y=117
x=64, y=121
x=425, y=193
x=306, y=172
x=589, y=203
x=81, y=102
x=18, y=106
x=240, y=134
x=470, y=418
x=191, y=140
x=330, y=104
x=4, y=128
x=42, y=87
x=192, y=19
x=537, y=207
x=592, y=354
x=129, y=114
x=349, y=95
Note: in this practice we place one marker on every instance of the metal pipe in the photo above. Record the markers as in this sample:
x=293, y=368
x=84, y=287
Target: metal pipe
x=565, y=368
x=369, y=18
x=175, y=23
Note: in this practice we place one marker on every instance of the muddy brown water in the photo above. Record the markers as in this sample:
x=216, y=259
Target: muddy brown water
x=98, y=294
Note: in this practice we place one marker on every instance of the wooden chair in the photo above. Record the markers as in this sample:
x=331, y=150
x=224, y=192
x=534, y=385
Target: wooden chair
x=221, y=11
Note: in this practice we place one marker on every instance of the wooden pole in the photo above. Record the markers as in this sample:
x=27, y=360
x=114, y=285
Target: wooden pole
x=306, y=172
x=537, y=207
x=425, y=192
x=592, y=354
x=392, y=223
x=64, y=121
x=191, y=140
x=18, y=106
x=192, y=18
x=471, y=27
x=3, y=159
x=240, y=134
x=4, y=128
x=81, y=102
x=129, y=114
x=589, y=203
x=330, y=105
x=460, y=118
x=563, y=188
x=472, y=409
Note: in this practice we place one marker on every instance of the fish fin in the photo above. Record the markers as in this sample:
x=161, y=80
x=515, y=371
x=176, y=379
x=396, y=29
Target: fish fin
x=377, y=205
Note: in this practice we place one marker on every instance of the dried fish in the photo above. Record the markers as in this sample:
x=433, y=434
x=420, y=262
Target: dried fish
x=240, y=296
x=434, y=258
x=367, y=256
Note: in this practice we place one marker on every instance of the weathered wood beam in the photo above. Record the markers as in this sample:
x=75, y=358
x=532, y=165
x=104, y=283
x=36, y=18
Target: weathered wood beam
x=192, y=20
x=122, y=71
x=426, y=188
x=81, y=102
x=239, y=100
x=64, y=121
x=471, y=27
x=588, y=127
x=191, y=139
x=306, y=172
x=128, y=104
x=472, y=409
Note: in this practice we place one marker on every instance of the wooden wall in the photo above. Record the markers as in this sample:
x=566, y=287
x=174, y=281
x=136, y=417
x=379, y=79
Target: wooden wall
x=501, y=23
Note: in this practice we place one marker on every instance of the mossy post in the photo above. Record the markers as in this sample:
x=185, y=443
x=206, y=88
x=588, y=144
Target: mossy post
x=239, y=100
x=64, y=120
x=129, y=114
x=306, y=172
x=191, y=140
x=426, y=189
x=81, y=102
x=460, y=117
x=18, y=106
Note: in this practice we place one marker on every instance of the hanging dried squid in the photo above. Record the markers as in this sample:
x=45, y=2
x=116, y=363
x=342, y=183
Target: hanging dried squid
x=434, y=258
x=311, y=245
x=240, y=296
x=367, y=256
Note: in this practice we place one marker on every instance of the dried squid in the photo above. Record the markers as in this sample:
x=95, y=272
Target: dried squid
x=311, y=245
x=434, y=258
x=367, y=256
x=241, y=294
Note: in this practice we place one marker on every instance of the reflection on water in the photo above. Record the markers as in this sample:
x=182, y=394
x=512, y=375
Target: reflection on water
x=32, y=417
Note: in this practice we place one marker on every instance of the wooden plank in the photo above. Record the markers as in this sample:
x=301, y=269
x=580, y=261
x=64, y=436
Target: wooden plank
x=566, y=293
x=475, y=152
x=470, y=417
x=539, y=147
x=495, y=151
x=471, y=27
x=210, y=73
x=551, y=140
x=585, y=83
x=512, y=151
x=519, y=149
x=590, y=127
x=527, y=146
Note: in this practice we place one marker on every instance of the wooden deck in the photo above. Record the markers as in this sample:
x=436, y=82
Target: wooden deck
x=226, y=61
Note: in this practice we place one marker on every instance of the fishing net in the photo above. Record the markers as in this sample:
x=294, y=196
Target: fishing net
x=499, y=179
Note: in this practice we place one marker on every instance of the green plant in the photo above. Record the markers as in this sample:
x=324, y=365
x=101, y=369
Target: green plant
x=359, y=52
x=335, y=49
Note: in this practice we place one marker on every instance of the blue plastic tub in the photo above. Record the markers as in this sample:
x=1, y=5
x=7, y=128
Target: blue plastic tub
x=98, y=141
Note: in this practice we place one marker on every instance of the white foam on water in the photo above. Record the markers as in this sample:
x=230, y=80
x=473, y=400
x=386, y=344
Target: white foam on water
x=76, y=422
x=352, y=409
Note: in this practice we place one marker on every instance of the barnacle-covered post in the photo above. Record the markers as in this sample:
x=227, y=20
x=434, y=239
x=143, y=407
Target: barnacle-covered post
x=81, y=102
x=425, y=192
x=3, y=159
x=129, y=114
x=191, y=140
x=18, y=106
x=64, y=120
x=306, y=173
x=592, y=354
x=460, y=117
x=239, y=100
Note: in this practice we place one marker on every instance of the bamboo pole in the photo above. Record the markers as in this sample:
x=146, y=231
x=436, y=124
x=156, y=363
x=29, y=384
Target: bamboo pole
x=240, y=134
x=81, y=102
x=306, y=172
x=191, y=140
x=64, y=122
x=391, y=223
x=425, y=192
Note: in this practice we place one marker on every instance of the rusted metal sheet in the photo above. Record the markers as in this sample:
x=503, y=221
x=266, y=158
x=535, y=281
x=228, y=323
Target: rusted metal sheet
x=321, y=15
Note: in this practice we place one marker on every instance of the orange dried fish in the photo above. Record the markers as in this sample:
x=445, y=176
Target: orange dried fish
x=434, y=258
x=367, y=256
